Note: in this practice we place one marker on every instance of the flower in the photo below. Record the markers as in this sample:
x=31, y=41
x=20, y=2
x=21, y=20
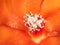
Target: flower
x=14, y=32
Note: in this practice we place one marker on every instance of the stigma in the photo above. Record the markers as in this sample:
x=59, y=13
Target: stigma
x=34, y=22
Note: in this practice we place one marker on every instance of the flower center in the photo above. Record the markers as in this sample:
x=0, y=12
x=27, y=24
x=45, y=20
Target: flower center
x=34, y=22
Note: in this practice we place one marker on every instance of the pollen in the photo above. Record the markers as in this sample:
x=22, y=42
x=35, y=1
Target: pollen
x=34, y=22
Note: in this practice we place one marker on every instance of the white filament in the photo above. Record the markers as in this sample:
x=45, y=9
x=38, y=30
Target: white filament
x=34, y=22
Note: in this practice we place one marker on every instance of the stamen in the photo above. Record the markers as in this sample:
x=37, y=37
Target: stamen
x=32, y=22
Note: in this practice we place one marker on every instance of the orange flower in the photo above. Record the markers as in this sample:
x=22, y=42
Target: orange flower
x=13, y=30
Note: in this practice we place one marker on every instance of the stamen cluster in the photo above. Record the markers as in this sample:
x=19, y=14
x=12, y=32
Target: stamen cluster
x=34, y=22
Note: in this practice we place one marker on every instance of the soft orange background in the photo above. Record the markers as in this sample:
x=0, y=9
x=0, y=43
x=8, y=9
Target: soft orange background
x=12, y=29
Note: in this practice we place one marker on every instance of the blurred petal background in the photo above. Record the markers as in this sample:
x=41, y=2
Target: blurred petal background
x=12, y=29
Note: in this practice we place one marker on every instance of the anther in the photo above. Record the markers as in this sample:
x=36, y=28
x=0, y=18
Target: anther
x=33, y=21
